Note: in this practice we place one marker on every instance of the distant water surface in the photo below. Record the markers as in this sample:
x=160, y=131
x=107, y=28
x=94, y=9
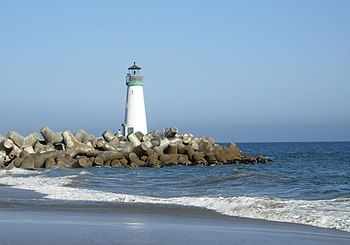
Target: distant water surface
x=307, y=183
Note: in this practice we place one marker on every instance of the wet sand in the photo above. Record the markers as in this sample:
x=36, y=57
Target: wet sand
x=25, y=218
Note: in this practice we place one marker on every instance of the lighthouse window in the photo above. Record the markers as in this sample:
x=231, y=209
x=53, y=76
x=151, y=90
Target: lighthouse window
x=131, y=91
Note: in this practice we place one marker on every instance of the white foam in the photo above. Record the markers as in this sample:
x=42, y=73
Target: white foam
x=333, y=213
x=84, y=172
x=18, y=171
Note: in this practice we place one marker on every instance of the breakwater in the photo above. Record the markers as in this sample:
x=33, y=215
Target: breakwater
x=80, y=150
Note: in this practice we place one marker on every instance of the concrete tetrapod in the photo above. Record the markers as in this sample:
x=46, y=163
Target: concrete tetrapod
x=105, y=155
x=83, y=137
x=73, y=146
x=108, y=135
x=51, y=136
x=82, y=162
x=171, y=132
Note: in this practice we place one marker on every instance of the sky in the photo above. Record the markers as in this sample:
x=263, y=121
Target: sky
x=242, y=71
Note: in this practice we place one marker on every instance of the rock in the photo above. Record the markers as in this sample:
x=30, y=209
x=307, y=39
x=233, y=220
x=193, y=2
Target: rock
x=156, y=134
x=262, y=159
x=95, y=142
x=114, y=142
x=10, y=166
x=189, y=151
x=164, y=143
x=30, y=140
x=2, y=156
x=142, y=149
x=83, y=137
x=40, y=148
x=155, y=142
x=186, y=138
x=16, y=138
x=183, y=159
x=23, y=154
x=181, y=148
x=105, y=155
x=123, y=162
x=198, y=158
x=39, y=159
x=108, y=136
x=29, y=150
x=234, y=149
x=158, y=150
x=146, y=145
x=194, y=143
x=15, y=152
x=133, y=138
x=4, y=161
x=203, y=145
x=169, y=159
x=248, y=159
x=28, y=163
x=150, y=152
x=152, y=160
x=210, y=157
x=51, y=136
x=73, y=146
x=219, y=156
x=139, y=135
x=82, y=162
x=147, y=138
x=170, y=132
x=2, y=147
x=211, y=140
x=135, y=160
x=103, y=145
x=128, y=148
x=139, y=151
x=50, y=162
x=63, y=162
x=7, y=145
x=171, y=149
x=175, y=141
x=98, y=161
x=17, y=162
x=116, y=163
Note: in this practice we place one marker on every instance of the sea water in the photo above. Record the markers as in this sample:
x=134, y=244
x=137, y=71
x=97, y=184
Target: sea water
x=308, y=183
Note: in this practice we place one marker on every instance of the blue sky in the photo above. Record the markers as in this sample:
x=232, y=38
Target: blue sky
x=235, y=70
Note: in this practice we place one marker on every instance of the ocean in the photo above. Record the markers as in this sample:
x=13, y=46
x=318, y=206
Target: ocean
x=308, y=183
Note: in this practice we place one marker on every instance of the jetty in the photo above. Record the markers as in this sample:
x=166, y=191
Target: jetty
x=81, y=149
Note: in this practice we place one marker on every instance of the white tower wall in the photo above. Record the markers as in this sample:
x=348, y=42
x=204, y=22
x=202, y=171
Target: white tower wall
x=135, y=111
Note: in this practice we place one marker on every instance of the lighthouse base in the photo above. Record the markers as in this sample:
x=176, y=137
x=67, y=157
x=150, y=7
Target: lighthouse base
x=135, y=112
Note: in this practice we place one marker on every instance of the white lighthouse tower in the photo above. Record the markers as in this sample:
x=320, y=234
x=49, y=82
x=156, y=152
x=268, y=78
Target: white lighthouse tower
x=135, y=112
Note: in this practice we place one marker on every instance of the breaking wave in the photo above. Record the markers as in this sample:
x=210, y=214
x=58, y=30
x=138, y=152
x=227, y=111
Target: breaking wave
x=333, y=213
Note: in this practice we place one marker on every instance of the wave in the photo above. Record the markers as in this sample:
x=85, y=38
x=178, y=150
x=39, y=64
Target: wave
x=18, y=171
x=334, y=213
x=84, y=172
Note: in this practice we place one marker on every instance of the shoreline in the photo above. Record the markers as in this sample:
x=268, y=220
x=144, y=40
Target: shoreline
x=23, y=212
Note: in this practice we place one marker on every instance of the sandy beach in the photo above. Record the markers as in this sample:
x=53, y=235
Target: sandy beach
x=24, y=221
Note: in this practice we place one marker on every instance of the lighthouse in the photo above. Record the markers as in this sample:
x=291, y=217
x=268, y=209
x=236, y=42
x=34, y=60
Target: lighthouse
x=135, y=111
